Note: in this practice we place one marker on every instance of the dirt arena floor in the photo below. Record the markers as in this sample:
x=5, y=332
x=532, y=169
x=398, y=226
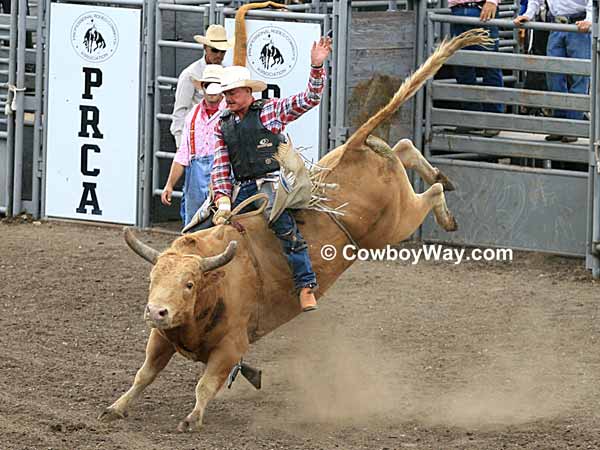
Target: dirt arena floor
x=480, y=356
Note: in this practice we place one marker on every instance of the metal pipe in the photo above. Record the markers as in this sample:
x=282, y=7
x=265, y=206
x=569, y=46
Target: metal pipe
x=593, y=198
x=46, y=36
x=143, y=216
x=426, y=149
x=175, y=194
x=37, y=123
x=212, y=12
x=303, y=7
x=325, y=103
x=185, y=8
x=156, y=109
x=164, y=155
x=10, y=138
x=503, y=23
x=179, y=44
x=342, y=48
x=420, y=48
x=333, y=112
x=151, y=95
x=168, y=80
x=278, y=15
x=109, y=2
x=20, y=113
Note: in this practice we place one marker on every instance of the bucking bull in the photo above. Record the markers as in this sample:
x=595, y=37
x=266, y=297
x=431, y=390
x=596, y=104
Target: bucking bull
x=214, y=292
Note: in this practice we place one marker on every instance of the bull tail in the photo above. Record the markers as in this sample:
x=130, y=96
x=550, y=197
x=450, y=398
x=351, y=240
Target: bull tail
x=241, y=37
x=414, y=82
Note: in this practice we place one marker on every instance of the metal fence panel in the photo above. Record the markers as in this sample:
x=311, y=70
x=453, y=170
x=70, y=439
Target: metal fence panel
x=505, y=206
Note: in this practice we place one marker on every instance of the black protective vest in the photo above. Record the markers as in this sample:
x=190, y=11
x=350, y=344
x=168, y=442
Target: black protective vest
x=251, y=146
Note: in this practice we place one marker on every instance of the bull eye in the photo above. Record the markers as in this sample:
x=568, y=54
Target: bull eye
x=189, y=285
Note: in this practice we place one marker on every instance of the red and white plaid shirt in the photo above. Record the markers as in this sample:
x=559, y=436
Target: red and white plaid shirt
x=275, y=114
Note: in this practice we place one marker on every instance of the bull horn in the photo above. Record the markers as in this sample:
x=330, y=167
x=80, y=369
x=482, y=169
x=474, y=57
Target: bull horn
x=214, y=262
x=145, y=251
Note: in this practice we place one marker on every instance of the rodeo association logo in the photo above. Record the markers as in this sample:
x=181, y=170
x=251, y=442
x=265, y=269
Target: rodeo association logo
x=272, y=52
x=94, y=37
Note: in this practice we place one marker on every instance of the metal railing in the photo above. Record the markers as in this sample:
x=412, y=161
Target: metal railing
x=436, y=117
x=520, y=143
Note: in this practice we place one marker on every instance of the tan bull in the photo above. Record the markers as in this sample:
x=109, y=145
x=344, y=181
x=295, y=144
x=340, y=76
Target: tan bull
x=210, y=308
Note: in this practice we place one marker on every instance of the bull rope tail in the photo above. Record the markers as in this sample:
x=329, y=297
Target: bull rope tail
x=241, y=38
x=413, y=83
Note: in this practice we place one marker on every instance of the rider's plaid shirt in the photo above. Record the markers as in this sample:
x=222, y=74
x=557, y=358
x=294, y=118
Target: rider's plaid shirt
x=276, y=113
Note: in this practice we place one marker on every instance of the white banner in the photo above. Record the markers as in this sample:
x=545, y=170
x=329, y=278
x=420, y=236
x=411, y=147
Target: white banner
x=279, y=55
x=93, y=99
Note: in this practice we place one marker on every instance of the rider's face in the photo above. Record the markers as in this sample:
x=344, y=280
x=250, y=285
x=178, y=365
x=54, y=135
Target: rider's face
x=239, y=99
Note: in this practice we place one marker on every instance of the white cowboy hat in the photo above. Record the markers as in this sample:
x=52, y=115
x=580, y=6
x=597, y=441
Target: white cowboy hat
x=216, y=38
x=211, y=76
x=238, y=76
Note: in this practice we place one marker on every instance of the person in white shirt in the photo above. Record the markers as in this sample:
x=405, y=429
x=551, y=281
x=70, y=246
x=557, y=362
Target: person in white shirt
x=216, y=45
x=567, y=45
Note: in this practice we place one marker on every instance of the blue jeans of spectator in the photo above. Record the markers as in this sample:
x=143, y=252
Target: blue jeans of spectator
x=468, y=75
x=569, y=45
x=284, y=228
x=195, y=188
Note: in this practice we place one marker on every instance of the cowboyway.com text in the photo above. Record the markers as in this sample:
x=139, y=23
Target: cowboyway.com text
x=427, y=252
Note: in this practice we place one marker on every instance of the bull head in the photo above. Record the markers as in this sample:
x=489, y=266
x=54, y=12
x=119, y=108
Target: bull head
x=177, y=282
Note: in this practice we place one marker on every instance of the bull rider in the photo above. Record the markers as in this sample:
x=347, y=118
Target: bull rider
x=247, y=137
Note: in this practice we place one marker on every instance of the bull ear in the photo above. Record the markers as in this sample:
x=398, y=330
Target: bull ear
x=214, y=262
x=145, y=251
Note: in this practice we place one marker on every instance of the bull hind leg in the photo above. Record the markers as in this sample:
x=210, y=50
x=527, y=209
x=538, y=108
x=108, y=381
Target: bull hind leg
x=158, y=354
x=413, y=159
x=434, y=197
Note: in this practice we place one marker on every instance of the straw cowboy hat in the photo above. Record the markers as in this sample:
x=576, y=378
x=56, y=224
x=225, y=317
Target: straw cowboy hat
x=216, y=38
x=238, y=76
x=211, y=76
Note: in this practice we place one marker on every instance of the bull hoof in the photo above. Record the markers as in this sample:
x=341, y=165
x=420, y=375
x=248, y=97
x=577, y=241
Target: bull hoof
x=110, y=415
x=188, y=426
x=451, y=225
x=448, y=185
x=191, y=423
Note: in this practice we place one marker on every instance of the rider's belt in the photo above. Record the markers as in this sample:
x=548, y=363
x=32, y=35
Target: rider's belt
x=568, y=18
x=469, y=5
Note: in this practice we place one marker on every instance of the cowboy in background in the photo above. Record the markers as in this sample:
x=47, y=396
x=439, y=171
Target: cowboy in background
x=247, y=137
x=187, y=94
x=196, y=150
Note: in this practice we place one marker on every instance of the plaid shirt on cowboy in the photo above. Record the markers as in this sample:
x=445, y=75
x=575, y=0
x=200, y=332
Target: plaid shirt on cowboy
x=276, y=113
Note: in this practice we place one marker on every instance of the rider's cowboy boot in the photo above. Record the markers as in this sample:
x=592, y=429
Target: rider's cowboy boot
x=308, y=302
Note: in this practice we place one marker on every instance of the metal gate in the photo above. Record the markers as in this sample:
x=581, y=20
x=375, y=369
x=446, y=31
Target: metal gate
x=511, y=190
x=21, y=72
x=159, y=144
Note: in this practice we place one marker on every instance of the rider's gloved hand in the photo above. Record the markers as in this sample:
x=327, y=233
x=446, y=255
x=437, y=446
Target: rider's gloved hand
x=223, y=212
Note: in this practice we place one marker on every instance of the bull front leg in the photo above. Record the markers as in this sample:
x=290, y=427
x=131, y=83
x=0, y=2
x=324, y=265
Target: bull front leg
x=219, y=365
x=158, y=354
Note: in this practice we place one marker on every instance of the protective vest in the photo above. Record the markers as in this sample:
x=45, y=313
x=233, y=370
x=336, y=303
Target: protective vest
x=251, y=146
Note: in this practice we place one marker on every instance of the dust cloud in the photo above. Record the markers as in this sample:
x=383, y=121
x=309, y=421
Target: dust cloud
x=512, y=374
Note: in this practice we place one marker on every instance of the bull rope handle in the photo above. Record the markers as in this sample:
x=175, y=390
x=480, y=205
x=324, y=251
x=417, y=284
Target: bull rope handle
x=236, y=211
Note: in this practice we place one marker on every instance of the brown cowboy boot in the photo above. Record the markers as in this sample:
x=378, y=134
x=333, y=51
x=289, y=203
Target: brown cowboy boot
x=308, y=302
